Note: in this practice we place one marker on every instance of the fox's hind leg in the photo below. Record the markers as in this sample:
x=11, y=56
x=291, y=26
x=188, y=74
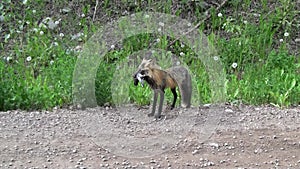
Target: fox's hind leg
x=154, y=104
x=175, y=97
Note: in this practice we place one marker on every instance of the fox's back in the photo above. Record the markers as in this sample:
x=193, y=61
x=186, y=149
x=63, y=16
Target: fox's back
x=163, y=79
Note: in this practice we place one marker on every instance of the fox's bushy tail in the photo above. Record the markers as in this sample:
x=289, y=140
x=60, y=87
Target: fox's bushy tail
x=184, y=81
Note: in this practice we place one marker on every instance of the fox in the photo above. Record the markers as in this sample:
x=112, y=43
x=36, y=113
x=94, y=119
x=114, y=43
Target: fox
x=159, y=79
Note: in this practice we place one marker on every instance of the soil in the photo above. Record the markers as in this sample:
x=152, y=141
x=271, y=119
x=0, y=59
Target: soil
x=210, y=136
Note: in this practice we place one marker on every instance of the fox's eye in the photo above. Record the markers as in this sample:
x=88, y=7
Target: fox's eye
x=143, y=72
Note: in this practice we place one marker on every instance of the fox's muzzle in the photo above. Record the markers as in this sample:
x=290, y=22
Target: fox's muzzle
x=135, y=80
x=138, y=77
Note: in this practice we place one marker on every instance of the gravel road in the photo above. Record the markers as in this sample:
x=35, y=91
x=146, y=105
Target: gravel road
x=210, y=136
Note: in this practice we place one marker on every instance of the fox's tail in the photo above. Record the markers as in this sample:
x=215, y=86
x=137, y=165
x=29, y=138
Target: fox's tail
x=184, y=81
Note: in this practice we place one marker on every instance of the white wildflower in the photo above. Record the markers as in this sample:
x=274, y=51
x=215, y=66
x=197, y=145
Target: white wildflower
x=57, y=22
x=220, y=15
x=177, y=63
x=33, y=11
x=280, y=40
x=42, y=25
x=161, y=24
x=216, y=58
x=28, y=59
x=61, y=34
x=68, y=51
x=83, y=15
x=181, y=54
x=66, y=10
x=157, y=40
x=147, y=16
x=1, y=18
x=35, y=29
x=51, y=62
x=7, y=36
x=24, y=2
x=112, y=46
x=51, y=24
x=21, y=27
x=8, y=58
x=55, y=43
x=286, y=34
x=234, y=65
x=256, y=15
x=182, y=45
x=159, y=29
x=78, y=48
x=189, y=24
x=41, y=33
x=77, y=35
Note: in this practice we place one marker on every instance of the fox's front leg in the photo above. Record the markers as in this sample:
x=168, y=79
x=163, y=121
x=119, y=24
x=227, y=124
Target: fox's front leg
x=154, y=104
x=161, y=102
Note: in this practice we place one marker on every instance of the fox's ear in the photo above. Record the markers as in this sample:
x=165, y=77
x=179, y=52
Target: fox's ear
x=147, y=64
x=152, y=61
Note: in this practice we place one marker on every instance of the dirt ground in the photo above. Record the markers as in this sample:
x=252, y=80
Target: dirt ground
x=210, y=136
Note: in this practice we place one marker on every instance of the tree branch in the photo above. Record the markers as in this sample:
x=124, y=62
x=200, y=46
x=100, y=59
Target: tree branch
x=199, y=23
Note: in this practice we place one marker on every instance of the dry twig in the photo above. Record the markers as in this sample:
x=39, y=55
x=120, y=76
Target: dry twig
x=95, y=11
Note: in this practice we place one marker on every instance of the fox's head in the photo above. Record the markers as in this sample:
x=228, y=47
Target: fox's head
x=144, y=70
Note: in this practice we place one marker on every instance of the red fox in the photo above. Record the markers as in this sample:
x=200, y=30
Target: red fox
x=159, y=80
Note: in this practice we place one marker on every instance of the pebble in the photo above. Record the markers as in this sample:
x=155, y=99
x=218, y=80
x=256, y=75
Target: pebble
x=195, y=152
x=214, y=145
x=228, y=111
x=152, y=161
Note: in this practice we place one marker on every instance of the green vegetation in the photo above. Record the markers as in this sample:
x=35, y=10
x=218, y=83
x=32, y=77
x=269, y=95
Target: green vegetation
x=256, y=43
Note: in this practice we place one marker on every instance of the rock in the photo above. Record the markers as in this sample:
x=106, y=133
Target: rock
x=214, y=145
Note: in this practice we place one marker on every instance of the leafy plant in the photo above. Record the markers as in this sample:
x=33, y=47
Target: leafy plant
x=39, y=49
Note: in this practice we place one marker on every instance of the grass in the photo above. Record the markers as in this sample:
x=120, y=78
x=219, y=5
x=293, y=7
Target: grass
x=38, y=54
